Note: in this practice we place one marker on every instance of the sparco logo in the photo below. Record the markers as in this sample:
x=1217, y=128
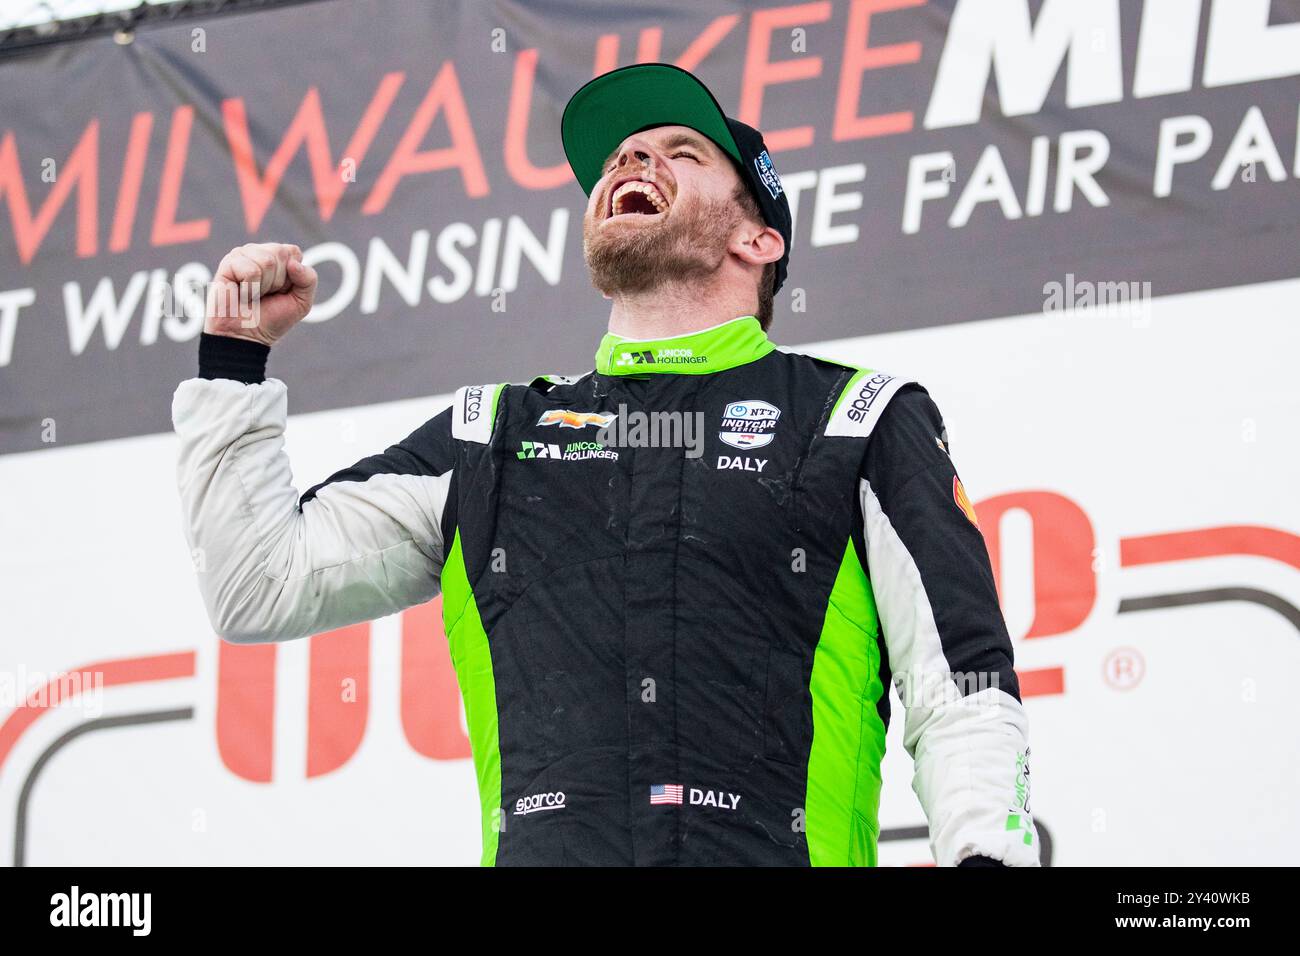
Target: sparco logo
x=867, y=394
x=539, y=801
x=473, y=403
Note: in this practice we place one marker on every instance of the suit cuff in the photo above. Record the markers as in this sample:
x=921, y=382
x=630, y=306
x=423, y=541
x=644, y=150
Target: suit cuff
x=221, y=356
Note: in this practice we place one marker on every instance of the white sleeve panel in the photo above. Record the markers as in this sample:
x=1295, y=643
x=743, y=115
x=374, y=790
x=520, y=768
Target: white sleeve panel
x=970, y=751
x=269, y=571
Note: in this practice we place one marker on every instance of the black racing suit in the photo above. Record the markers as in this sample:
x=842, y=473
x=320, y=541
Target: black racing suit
x=676, y=591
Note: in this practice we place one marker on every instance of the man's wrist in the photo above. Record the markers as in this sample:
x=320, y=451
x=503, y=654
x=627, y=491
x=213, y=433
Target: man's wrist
x=224, y=356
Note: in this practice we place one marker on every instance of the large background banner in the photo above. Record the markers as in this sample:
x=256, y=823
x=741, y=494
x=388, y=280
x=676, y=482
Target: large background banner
x=1076, y=221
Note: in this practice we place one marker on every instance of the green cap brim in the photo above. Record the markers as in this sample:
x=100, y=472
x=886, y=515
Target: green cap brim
x=613, y=106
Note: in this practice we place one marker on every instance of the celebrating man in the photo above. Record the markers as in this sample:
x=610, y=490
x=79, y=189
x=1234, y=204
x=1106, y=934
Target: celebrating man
x=676, y=588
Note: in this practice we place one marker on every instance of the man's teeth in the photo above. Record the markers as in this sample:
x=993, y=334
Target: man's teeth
x=645, y=189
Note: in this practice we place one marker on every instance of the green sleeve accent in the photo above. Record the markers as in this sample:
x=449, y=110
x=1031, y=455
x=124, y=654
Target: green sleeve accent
x=857, y=376
x=472, y=658
x=843, y=799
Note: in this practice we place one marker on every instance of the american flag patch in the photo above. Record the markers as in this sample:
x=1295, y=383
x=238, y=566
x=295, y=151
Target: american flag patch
x=665, y=793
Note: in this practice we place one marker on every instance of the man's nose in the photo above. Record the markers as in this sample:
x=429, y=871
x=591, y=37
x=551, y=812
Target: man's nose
x=635, y=151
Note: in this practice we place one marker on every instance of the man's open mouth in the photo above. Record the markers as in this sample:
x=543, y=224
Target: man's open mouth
x=636, y=196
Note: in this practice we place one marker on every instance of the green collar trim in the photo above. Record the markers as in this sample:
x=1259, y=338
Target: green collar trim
x=734, y=342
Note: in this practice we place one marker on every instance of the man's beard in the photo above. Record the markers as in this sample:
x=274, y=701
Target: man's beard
x=690, y=245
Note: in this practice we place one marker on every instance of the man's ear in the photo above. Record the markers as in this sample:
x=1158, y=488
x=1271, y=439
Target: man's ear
x=757, y=245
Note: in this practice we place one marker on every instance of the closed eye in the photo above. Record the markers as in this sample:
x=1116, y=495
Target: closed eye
x=681, y=152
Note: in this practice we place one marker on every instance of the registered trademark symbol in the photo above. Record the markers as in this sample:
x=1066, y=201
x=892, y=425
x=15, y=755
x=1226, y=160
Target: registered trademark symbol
x=1124, y=668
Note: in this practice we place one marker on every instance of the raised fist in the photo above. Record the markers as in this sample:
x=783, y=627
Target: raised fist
x=261, y=291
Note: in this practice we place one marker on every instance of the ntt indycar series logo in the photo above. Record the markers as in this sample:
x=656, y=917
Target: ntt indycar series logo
x=767, y=173
x=750, y=424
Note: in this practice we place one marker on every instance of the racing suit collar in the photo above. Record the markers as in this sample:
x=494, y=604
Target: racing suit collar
x=731, y=343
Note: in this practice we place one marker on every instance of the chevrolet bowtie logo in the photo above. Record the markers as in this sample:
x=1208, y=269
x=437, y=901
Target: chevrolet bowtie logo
x=570, y=419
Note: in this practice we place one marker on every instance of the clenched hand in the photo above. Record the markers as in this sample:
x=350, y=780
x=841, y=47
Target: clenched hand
x=261, y=291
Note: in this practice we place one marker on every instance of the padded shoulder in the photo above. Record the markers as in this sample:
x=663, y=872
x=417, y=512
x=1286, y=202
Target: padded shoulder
x=817, y=357
x=862, y=402
x=474, y=411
